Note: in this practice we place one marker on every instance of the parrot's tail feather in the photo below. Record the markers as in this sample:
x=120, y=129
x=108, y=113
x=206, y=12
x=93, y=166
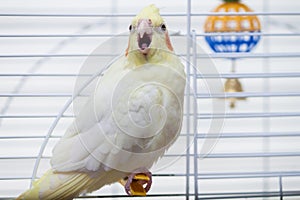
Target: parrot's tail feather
x=56, y=186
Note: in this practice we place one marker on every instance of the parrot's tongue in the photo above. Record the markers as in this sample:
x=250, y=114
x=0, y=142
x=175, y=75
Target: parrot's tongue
x=144, y=42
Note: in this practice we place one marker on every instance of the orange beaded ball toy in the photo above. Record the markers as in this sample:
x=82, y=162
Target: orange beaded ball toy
x=232, y=24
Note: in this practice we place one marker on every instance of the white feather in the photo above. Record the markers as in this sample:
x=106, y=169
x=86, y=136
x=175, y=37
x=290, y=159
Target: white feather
x=102, y=131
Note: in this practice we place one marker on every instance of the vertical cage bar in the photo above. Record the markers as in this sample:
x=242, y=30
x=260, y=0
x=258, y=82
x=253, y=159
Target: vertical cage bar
x=188, y=14
x=266, y=101
x=195, y=111
x=280, y=187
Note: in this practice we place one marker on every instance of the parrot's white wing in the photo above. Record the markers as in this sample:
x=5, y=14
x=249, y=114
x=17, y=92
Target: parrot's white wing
x=133, y=113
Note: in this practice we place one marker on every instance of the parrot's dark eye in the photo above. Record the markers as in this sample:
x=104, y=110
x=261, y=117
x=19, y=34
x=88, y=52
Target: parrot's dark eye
x=130, y=27
x=163, y=27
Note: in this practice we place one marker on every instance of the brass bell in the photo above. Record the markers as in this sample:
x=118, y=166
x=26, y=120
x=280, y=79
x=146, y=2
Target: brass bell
x=233, y=85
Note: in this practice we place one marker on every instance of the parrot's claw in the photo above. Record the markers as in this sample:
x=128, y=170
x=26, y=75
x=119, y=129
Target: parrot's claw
x=136, y=180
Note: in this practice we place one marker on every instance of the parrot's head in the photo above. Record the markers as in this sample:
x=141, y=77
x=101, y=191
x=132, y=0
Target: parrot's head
x=148, y=35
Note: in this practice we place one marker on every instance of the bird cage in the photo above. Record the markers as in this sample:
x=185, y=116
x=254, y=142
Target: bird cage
x=249, y=152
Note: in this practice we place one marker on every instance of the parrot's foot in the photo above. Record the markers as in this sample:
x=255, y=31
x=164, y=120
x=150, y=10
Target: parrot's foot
x=135, y=182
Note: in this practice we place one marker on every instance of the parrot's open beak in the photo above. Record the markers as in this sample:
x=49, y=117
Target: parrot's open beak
x=144, y=39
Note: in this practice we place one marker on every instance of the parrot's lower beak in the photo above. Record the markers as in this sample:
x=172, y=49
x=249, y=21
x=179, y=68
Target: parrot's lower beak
x=144, y=37
x=144, y=42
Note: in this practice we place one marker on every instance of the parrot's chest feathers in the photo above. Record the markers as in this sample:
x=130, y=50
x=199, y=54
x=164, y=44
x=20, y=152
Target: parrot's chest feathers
x=148, y=109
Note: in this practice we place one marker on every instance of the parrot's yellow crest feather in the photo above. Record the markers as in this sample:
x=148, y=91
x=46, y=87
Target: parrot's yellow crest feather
x=149, y=12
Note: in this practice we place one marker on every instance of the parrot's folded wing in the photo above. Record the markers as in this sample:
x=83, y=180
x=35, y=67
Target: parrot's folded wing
x=97, y=142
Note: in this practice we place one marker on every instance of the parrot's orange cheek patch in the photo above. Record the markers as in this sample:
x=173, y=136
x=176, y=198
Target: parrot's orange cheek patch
x=168, y=42
x=127, y=50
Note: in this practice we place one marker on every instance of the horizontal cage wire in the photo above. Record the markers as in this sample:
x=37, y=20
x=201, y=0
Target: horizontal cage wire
x=250, y=151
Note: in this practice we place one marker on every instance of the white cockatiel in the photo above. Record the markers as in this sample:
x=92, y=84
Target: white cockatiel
x=131, y=119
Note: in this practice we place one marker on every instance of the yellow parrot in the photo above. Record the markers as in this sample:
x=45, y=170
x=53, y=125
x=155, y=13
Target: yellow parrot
x=131, y=119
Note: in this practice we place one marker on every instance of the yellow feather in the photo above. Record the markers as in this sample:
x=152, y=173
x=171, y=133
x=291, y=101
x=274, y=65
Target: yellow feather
x=57, y=186
x=149, y=12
